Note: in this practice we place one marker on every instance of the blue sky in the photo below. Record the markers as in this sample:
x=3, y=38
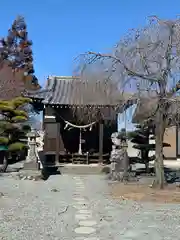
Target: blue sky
x=63, y=29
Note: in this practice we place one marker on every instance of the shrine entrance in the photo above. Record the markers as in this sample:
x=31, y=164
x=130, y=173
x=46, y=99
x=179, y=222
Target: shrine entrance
x=67, y=139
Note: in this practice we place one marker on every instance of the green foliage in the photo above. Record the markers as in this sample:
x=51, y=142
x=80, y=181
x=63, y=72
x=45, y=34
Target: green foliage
x=12, y=130
x=19, y=101
x=19, y=119
x=5, y=125
x=5, y=108
x=4, y=140
x=17, y=146
x=21, y=113
x=26, y=128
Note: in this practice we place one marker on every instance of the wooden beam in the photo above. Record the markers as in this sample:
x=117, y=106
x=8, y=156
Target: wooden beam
x=45, y=137
x=101, y=137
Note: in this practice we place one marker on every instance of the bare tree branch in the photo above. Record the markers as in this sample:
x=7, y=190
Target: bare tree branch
x=129, y=71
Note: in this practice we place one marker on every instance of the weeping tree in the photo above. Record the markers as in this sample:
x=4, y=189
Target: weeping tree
x=150, y=59
x=12, y=130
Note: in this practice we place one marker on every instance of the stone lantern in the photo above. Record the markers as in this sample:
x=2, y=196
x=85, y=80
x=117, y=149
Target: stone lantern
x=31, y=162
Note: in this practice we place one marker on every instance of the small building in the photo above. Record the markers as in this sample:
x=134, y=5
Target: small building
x=78, y=117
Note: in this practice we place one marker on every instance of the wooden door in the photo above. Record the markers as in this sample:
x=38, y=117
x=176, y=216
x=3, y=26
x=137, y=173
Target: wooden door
x=52, y=138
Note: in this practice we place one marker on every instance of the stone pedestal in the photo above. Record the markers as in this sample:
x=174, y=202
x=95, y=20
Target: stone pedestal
x=31, y=166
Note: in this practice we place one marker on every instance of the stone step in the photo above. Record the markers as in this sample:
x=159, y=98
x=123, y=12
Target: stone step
x=83, y=169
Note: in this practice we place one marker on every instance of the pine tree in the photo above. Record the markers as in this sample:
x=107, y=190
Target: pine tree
x=140, y=137
x=12, y=130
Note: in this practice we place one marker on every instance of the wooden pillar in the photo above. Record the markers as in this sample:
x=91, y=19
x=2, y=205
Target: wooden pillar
x=101, y=137
x=57, y=143
x=177, y=142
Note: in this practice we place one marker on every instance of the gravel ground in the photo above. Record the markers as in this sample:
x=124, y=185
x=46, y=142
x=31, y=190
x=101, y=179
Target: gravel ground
x=48, y=210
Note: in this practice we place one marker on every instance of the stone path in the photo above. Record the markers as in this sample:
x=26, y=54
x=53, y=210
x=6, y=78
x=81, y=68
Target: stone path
x=79, y=208
x=84, y=216
x=106, y=218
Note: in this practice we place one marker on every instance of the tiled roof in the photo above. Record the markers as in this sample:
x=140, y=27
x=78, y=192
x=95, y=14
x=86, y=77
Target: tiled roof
x=73, y=91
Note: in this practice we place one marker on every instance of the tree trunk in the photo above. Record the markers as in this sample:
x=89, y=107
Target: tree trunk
x=145, y=158
x=125, y=165
x=101, y=136
x=147, y=167
x=159, y=164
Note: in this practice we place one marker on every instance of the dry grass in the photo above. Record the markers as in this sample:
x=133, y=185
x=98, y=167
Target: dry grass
x=141, y=192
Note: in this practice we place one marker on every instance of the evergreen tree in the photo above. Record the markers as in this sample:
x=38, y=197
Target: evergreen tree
x=16, y=62
x=12, y=130
x=140, y=137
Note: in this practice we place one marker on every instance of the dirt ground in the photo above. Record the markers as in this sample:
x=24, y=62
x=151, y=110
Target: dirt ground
x=142, y=192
